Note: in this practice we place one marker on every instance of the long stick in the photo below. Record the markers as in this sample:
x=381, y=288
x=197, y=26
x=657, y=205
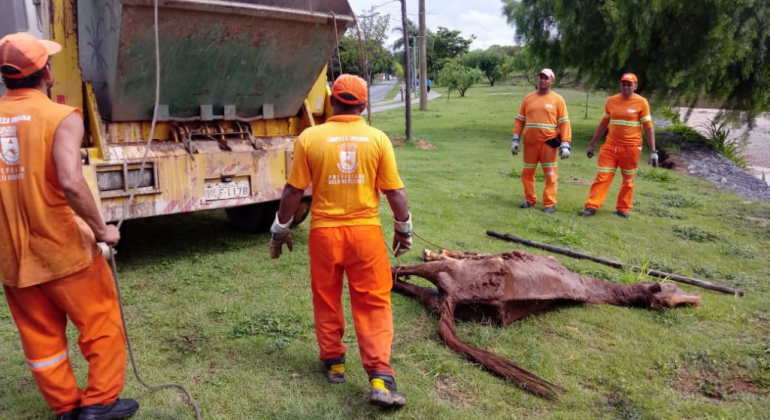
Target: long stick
x=578, y=255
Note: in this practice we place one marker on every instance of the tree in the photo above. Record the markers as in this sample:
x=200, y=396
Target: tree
x=457, y=77
x=490, y=62
x=446, y=45
x=719, y=49
x=526, y=62
x=374, y=27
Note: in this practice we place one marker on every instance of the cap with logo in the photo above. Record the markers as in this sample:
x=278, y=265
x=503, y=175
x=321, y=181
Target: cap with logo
x=350, y=89
x=628, y=77
x=25, y=53
x=547, y=72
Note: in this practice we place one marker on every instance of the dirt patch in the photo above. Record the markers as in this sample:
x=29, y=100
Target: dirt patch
x=577, y=182
x=422, y=144
x=452, y=391
x=398, y=142
x=712, y=386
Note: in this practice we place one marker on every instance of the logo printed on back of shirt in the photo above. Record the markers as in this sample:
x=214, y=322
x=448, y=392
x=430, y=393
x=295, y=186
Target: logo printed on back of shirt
x=631, y=110
x=9, y=145
x=549, y=105
x=348, y=162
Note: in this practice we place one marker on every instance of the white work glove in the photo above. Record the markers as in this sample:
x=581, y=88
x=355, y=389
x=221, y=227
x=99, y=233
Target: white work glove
x=402, y=236
x=590, y=151
x=515, y=144
x=280, y=235
x=654, y=158
x=564, y=150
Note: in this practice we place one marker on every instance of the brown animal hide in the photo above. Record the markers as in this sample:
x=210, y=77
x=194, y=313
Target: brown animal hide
x=504, y=288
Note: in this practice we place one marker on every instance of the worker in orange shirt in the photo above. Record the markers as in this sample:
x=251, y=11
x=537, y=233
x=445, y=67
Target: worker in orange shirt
x=625, y=114
x=50, y=265
x=347, y=162
x=546, y=129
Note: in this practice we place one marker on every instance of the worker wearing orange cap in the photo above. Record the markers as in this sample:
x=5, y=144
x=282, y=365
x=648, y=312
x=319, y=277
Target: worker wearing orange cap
x=625, y=114
x=50, y=265
x=347, y=162
x=544, y=122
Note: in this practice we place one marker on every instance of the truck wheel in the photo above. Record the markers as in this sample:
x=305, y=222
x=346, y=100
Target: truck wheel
x=252, y=218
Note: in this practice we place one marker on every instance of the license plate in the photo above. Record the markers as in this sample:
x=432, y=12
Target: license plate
x=227, y=190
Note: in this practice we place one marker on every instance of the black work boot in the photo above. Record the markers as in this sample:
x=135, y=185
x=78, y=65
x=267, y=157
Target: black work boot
x=69, y=415
x=587, y=212
x=120, y=409
x=623, y=214
x=335, y=370
x=526, y=205
x=383, y=392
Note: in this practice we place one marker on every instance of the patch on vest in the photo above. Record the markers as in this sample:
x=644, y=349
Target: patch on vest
x=9, y=145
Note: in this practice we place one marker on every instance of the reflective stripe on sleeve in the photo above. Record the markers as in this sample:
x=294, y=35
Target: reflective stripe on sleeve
x=562, y=120
x=645, y=119
x=520, y=117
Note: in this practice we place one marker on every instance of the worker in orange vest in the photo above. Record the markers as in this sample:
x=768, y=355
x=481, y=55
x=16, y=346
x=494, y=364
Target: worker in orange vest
x=50, y=265
x=544, y=122
x=625, y=114
x=347, y=162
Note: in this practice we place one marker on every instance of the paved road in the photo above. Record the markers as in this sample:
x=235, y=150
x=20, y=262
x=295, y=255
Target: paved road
x=379, y=91
x=396, y=103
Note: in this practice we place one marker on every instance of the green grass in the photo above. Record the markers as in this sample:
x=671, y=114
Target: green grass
x=207, y=308
x=394, y=92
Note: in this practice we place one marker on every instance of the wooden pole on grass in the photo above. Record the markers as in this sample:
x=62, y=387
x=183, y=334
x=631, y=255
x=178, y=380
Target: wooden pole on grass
x=578, y=255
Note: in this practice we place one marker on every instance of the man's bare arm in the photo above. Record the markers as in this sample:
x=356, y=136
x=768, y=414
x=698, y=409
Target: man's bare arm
x=66, y=155
x=649, y=134
x=398, y=203
x=290, y=199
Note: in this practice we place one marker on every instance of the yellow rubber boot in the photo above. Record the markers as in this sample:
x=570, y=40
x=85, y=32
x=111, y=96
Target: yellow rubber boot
x=335, y=370
x=383, y=392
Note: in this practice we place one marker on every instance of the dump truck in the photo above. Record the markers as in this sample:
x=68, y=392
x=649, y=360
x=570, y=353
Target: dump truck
x=239, y=81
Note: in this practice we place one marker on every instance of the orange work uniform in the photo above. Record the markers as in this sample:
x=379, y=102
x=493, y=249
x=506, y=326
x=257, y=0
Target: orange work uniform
x=347, y=162
x=625, y=119
x=541, y=118
x=51, y=268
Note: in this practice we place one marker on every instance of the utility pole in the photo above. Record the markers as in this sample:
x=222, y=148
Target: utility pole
x=407, y=73
x=423, y=60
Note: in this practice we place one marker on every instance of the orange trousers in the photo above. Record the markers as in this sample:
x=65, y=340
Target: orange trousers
x=538, y=152
x=90, y=301
x=611, y=157
x=359, y=252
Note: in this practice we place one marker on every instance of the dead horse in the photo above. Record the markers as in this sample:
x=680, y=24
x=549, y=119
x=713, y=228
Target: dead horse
x=504, y=288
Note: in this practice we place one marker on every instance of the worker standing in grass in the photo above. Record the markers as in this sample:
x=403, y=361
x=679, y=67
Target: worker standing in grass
x=50, y=265
x=347, y=162
x=544, y=122
x=625, y=114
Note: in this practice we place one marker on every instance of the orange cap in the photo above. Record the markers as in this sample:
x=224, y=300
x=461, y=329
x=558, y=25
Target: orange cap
x=350, y=89
x=25, y=53
x=628, y=77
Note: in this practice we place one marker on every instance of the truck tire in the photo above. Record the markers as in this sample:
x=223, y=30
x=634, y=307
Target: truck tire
x=257, y=218
x=252, y=218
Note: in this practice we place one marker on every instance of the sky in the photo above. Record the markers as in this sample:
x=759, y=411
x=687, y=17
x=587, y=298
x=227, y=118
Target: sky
x=483, y=18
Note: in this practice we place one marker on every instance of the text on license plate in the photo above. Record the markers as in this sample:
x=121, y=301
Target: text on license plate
x=227, y=190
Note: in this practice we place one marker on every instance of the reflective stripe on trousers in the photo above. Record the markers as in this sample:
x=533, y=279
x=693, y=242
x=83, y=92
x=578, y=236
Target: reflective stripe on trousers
x=538, y=152
x=611, y=157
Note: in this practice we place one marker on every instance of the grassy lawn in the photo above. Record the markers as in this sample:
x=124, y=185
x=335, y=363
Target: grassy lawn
x=207, y=308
